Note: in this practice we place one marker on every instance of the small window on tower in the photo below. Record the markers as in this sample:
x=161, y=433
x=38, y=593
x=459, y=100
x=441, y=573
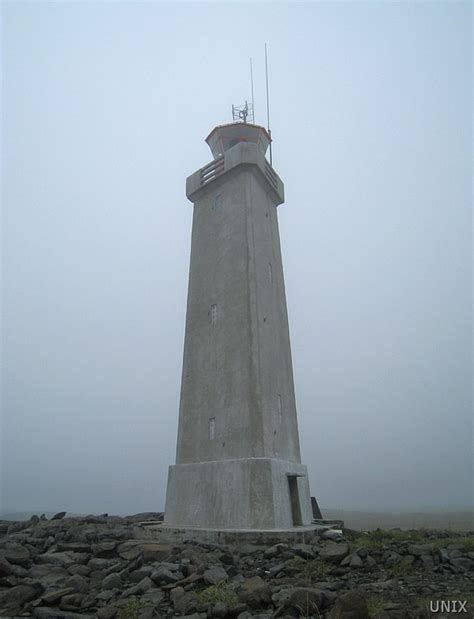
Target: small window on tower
x=212, y=428
x=217, y=201
x=280, y=409
x=270, y=273
x=213, y=314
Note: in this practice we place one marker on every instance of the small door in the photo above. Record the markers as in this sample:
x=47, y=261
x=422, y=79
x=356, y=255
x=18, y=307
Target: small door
x=295, y=501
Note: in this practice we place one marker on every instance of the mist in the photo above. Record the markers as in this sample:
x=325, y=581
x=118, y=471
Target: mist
x=105, y=108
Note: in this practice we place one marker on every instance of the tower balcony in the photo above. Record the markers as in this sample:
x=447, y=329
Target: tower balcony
x=242, y=153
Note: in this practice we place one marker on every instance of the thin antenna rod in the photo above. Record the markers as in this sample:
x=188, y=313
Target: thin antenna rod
x=251, y=84
x=268, y=104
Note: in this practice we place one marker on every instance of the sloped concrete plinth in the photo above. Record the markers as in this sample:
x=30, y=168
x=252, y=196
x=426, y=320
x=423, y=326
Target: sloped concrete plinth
x=242, y=494
x=179, y=535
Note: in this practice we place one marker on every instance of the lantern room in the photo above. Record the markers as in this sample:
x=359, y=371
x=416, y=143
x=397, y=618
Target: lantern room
x=224, y=137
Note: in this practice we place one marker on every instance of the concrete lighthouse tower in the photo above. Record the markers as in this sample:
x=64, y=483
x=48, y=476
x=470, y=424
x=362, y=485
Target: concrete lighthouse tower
x=238, y=462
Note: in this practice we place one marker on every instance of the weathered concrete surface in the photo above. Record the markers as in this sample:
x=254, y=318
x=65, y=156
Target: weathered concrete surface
x=238, y=443
x=167, y=534
x=246, y=493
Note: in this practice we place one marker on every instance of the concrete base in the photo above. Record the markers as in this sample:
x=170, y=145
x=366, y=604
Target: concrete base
x=180, y=535
x=246, y=494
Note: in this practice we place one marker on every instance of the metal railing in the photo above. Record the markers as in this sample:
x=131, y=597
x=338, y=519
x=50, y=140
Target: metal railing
x=212, y=170
x=270, y=174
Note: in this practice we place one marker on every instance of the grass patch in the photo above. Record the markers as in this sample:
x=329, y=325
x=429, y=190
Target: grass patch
x=312, y=569
x=375, y=605
x=132, y=608
x=222, y=592
x=466, y=542
x=402, y=568
x=376, y=540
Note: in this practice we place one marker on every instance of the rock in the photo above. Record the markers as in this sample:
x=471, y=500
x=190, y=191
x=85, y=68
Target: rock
x=72, y=601
x=5, y=567
x=418, y=550
x=150, y=551
x=105, y=596
x=186, y=603
x=18, y=555
x=44, y=612
x=106, y=612
x=104, y=550
x=307, y=601
x=73, y=547
x=392, y=559
x=303, y=550
x=112, y=581
x=255, y=592
x=333, y=534
x=19, y=595
x=427, y=561
x=351, y=605
x=443, y=555
x=163, y=575
x=172, y=567
x=78, y=583
x=64, y=559
x=220, y=610
x=100, y=564
x=246, y=550
x=139, y=588
x=54, y=596
x=362, y=552
x=16, y=527
x=82, y=570
x=463, y=564
x=370, y=562
x=34, y=519
x=334, y=552
x=137, y=575
x=153, y=596
x=58, y=516
x=356, y=561
x=176, y=593
x=237, y=609
x=227, y=559
x=214, y=575
x=274, y=551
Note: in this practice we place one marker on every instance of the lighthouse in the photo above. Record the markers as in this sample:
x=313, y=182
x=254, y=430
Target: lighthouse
x=238, y=463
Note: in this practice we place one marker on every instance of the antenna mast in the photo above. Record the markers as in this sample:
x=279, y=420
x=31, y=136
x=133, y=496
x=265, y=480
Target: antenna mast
x=251, y=86
x=268, y=104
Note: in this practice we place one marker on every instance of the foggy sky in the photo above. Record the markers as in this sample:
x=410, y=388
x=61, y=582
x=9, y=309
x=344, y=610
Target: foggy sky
x=105, y=111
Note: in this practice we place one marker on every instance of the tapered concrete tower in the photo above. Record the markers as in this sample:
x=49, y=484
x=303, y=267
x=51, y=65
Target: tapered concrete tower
x=238, y=462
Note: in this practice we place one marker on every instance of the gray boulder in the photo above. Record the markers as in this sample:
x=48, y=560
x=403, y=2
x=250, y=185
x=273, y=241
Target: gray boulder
x=19, y=595
x=351, y=605
x=418, y=550
x=334, y=552
x=186, y=603
x=215, y=575
x=163, y=575
x=112, y=581
x=255, y=592
x=17, y=554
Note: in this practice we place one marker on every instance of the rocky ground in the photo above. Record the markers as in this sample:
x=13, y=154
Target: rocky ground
x=101, y=566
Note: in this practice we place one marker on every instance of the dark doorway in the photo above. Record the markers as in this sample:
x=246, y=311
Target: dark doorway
x=295, y=500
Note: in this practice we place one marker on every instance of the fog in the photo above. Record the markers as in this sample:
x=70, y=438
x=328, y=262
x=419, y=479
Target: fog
x=105, y=110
